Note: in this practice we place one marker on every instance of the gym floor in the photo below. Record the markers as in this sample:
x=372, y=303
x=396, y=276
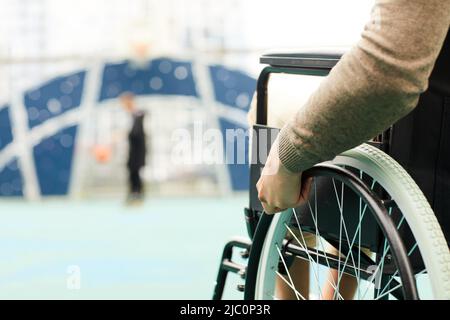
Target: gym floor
x=165, y=249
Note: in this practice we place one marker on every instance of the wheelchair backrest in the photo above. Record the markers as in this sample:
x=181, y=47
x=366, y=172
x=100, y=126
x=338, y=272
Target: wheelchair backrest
x=420, y=142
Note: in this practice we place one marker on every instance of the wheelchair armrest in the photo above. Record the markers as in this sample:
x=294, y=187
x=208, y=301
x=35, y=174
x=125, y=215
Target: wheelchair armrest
x=313, y=58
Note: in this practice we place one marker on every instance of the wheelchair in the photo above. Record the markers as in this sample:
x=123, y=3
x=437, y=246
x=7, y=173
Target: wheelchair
x=368, y=218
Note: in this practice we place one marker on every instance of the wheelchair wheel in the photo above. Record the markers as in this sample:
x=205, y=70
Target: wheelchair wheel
x=371, y=223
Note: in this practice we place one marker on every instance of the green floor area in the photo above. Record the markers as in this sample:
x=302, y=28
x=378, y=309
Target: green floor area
x=168, y=248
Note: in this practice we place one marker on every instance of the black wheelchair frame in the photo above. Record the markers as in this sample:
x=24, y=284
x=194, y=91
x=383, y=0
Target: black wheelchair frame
x=314, y=64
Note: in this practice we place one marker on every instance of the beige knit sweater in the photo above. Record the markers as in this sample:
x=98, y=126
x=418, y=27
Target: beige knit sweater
x=375, y=84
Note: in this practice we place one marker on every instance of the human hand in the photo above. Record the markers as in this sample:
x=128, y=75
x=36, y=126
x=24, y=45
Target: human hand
x=278, y=188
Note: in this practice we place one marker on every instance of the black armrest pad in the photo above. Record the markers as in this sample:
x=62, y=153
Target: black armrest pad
x=313, y=58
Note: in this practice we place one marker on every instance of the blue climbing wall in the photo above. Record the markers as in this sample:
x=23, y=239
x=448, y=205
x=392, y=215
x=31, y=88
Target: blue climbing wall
x=239, y=172
x=5, y=127
x=10, y=176
x=53, y=156
x=53, y=160
x=160, y=76
x=54, y=98
x=234, y=89
x=11, y=182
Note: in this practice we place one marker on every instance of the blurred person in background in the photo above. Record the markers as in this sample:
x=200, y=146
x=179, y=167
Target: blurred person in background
x=136, y=148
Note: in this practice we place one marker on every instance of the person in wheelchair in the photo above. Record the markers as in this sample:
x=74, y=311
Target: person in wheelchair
x=404, y=51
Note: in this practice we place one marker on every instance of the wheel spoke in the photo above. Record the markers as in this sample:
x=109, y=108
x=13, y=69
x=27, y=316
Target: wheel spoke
x=401, y=222
x=388, y=292
x=298, y=294
x=317, y=235
x=385, y=250
x=358, y=230
x=379, y=266
x=311, y=259
x=348, y=242
x=412, y=249
x=314, y=217
x=305, y=248
x=346, y=234
x=318, y=238
x=359, y=238
x=340, y=243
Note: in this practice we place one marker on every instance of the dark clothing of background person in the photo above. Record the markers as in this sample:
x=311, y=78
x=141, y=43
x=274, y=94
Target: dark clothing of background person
x=137, y=152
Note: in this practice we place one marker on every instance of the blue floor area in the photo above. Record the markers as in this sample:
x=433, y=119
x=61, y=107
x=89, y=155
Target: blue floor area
x=165, y=249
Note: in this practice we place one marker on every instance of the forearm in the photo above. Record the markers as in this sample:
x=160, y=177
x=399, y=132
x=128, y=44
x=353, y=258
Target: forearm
x=378, y=82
